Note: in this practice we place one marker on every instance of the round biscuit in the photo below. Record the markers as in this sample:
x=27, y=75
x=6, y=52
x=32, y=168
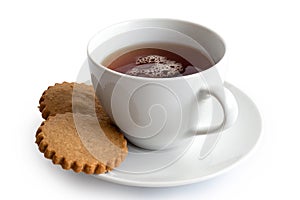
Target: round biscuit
x=81, y=142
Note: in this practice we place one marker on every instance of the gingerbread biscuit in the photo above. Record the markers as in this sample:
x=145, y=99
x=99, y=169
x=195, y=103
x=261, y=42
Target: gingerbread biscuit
x=71, y=97
x=81, y=142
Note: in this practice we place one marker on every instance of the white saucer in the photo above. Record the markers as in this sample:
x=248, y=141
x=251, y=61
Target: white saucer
x=234, y=144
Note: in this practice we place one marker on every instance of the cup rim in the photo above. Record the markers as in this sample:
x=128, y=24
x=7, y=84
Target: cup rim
x=151, y=78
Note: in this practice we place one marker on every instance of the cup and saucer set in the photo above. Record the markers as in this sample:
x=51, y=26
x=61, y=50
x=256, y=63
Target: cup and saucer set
x=181, y=129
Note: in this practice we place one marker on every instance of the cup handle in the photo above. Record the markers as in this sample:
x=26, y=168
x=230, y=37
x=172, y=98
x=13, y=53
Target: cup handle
x=230, y=110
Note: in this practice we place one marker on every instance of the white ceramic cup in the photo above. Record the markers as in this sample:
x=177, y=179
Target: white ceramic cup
x=157, y=113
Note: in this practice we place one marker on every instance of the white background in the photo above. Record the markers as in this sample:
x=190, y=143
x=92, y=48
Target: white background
x=44, y=42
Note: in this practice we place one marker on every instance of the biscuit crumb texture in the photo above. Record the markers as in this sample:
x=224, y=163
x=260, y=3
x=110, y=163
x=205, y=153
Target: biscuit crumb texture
x=76, y=141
